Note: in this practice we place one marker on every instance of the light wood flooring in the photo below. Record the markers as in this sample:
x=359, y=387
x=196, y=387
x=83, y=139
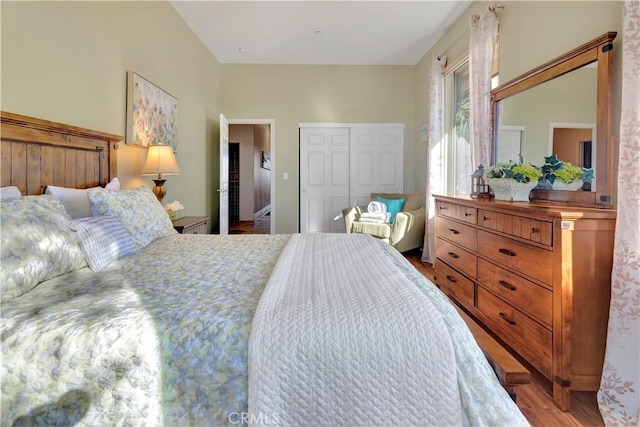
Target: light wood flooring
x=534, y=399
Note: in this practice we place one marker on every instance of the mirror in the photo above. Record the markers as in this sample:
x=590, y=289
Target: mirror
x=561, y=107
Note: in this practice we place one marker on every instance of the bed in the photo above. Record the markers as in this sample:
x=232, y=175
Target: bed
x=214, y=330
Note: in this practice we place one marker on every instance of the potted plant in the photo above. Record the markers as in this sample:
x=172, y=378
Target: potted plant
x=564, y=175
x=512, y=181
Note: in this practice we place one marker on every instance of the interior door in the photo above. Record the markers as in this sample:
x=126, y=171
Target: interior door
x=324, y=178
x=376, y=162
x=223, y=219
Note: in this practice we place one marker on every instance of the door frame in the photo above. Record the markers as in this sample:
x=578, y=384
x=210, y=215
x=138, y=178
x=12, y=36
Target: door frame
x=272, y=149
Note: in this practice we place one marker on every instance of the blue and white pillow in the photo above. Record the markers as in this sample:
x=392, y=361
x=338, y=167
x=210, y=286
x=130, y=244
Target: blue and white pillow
x=138, y=210
x=103, y=240
x=36, y=244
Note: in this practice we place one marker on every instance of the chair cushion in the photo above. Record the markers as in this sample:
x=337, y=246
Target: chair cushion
x=412, y=201
x=381, y=231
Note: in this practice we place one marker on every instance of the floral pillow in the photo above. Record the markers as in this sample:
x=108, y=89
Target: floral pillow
x=37, y=245
x=103, y=240
x=138, y=210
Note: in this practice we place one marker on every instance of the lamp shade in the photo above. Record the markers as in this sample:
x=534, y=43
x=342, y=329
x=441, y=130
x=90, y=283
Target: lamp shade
x=160, y=160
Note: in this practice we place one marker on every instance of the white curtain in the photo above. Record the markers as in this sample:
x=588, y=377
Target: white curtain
x=619, y=394
x=482, y=37
x=435, y=154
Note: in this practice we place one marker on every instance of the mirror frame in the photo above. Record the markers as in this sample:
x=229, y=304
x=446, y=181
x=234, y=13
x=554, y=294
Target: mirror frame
x=599, y=49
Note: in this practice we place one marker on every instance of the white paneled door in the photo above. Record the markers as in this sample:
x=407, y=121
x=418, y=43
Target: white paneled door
x=340, y=166
x=224, y=175
x=324, y=178
x=377, y=162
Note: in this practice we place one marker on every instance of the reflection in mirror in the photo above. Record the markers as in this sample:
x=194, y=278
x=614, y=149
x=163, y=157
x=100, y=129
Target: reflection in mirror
x=561, y=94
x=558, y=116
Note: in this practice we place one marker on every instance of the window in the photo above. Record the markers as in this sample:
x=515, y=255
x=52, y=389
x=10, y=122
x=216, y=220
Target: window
x=457, y=107
x=457, y=128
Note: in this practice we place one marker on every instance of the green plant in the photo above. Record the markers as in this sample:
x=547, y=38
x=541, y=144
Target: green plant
x=511, y=170
x=566, y=172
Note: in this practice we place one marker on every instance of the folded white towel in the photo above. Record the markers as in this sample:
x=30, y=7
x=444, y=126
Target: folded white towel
x=375, y=217
x=376, y=207
x=373, y=220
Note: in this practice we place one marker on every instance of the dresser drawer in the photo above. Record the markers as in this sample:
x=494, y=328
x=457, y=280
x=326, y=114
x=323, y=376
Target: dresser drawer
x=462, y=213
x=458, y=258
x=464, y=235
x=520, y=328
x=530, y=260
x=454, y=284
x=525, y=228
x=532, y=299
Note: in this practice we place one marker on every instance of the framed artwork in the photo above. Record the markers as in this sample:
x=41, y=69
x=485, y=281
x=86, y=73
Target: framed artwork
x=152, y=114
x=266, y=161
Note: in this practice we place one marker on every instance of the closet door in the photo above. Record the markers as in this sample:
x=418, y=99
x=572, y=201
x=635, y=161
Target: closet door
x=324, y=178
x=376, y=162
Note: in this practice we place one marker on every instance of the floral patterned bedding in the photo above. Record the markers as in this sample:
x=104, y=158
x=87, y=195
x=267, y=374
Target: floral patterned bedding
x=160, y=338
x=157, y=338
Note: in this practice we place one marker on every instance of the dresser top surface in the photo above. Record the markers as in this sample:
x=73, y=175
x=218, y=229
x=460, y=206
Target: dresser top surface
x=555, y=210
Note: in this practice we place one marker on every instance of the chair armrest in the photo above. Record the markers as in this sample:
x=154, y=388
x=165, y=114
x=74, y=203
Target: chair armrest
x=351, y=214
x=408, y=227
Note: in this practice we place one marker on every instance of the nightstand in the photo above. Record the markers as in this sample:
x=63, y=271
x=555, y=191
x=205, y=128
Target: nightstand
x=191, y=225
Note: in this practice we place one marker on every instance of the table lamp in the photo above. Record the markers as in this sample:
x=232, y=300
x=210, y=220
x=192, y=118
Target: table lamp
x=160, y=160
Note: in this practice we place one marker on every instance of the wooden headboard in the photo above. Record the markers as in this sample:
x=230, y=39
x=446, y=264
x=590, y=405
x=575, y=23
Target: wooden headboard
x=35, y=153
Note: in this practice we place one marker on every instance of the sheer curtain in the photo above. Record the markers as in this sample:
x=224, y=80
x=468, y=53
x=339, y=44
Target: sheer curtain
x=619, y=394
x=482, y=37
x=435, y=154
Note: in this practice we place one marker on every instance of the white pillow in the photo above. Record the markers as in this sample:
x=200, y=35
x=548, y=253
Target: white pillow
x=8, y=192
x=113, y=185
x=103, y=240
x=75, y=200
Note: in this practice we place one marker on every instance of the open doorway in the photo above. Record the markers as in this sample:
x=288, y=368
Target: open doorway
x=250, y=177
x=575, y=143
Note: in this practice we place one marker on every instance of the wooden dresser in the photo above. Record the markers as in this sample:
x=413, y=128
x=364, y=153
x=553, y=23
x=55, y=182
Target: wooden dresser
x=537, y=275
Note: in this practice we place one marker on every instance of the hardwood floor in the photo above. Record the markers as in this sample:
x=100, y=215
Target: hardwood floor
x=534, y=399
x=249, y=227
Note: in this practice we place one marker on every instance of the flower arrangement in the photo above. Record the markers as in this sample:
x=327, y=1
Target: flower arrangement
x=559, y=172
x=517, y=171
x=512, y=181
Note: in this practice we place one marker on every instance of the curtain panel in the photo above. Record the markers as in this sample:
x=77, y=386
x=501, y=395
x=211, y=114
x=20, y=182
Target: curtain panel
x=435, y=154
x=619, y=394
x=482, y=38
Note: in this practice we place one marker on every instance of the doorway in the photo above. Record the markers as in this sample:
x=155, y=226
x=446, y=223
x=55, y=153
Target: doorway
x=250, y=177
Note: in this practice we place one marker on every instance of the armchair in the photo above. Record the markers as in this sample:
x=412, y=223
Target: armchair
x=407, y=230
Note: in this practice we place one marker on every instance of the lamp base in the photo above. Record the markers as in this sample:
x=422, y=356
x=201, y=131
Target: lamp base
x=159, y=189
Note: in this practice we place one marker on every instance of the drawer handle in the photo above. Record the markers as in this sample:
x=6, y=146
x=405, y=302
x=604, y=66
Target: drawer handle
x=453, y=255
x=506, y=285
x=467, y=214
x=534, y=230
x=442, y=207
x=454, y=231
x=506, y=252
x=506, y=319
x=452, y=279
x=485, y=218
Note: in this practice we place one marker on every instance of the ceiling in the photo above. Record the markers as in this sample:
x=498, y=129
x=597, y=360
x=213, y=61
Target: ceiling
x=319, y=32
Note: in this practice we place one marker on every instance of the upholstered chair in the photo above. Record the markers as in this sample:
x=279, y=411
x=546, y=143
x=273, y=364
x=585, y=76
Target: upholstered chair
x=406, y=232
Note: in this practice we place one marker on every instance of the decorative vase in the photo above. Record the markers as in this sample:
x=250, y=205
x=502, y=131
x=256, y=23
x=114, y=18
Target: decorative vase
x=510, y=189
x=572, y=186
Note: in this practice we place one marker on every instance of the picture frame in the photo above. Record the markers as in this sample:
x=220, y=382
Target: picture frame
x=152, y=114
x=265, y=160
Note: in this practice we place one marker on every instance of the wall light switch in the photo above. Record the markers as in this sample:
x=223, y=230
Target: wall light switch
x=285, y=175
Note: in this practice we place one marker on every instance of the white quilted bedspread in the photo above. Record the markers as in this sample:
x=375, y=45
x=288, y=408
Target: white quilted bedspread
x=341, y=337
